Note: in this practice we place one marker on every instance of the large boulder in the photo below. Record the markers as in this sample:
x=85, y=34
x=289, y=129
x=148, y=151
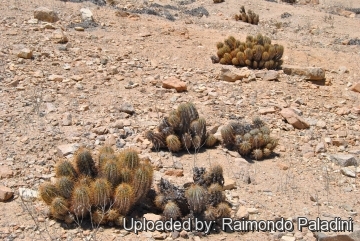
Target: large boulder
x=46, y=15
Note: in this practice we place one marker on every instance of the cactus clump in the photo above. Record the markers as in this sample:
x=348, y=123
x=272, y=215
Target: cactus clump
x=203, y=199
x=183, y=129
x=249, y=139
x=103, y=193
x=256, y=52
x=247, y=17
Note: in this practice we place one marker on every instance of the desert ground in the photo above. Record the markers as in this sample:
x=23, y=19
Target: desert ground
x=73, y=83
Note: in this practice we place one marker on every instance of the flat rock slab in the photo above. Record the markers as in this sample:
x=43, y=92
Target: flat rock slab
x=229, y=183
x=267, y=75
x=232, y=74
x=344, y=160
x=5, y=193
x=5, y=172
x=28, y=194
x=339, y=237
x=309, y=73
x=242, y=212
x=46, y=15
x=268, y=110
x=55, y=77
x=174, y=83
x=356, y=87
x=127, y=108
x=152, y=217
x=293, y=119
x=67, y=149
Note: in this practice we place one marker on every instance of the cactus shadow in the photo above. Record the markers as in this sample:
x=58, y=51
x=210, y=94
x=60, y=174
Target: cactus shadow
x=252, y=160
x=318, y=82
x=182, y=152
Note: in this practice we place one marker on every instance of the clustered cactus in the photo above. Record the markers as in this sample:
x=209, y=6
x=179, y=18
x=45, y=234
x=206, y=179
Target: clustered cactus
x=249, y=139
x=105, y=192
x=203, y=199
x=249, y=17
x=182, y=129
x=256, y=52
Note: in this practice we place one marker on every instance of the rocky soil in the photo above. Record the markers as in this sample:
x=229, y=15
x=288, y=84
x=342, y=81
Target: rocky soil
x=81, y=74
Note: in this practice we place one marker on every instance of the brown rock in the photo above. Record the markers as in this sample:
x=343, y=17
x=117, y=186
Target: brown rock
x=14, y=83
x=66, y=119
x=307, y=150
x=111, y=140
x=84, y=107
x=265, y=111
x=101, y=130
x=339, y=142
x=268, y=75
x=356, y=110
x=184, y=234
x=77, y=77
x=283, y=166
x=46, y=15
x=356, y=87
x=25, y=53
x=152, y=217
x=159, y=236
x=5, y=193
x=67, y=149
x=295, y=120
x=242, y=213
x=309, y=73
x=232, y=74
x=320, y=147
x=5, y=172
x=229, y=183
x=174, y=83
x=59, y=36
x=176, y=172
x=343, y=111
x=55, y=77
x=346, y=13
